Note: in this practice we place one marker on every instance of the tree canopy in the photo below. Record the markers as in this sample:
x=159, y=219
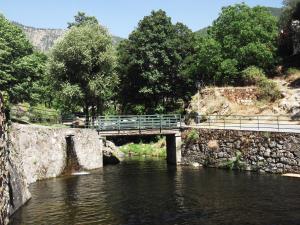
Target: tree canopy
x=82, y=19
x=241, y=37
x=82, y=69
x=150, y=64
x=21, y=68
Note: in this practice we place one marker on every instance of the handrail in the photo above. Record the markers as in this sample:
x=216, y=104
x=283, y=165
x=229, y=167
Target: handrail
x=138, y=122
x=278, y=123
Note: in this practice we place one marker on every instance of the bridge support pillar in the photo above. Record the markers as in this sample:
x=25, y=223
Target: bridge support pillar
x=174, y=148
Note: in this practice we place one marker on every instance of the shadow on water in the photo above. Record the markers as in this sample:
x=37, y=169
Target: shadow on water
x=150, y=192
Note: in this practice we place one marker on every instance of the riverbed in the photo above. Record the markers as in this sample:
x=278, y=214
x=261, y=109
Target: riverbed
x=147, y=191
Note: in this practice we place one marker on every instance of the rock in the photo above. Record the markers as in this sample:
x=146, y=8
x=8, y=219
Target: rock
x=267, y=153
x=111, y=154
x=195, y=164
x=272, y=144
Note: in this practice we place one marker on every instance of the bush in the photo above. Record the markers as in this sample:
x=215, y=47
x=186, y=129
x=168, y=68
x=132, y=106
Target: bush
x=268, y=90
x=192, y=136
x=292, y=71
x=252, y=75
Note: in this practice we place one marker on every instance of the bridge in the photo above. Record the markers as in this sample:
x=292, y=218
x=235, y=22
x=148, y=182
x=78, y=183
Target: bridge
x=138, y=125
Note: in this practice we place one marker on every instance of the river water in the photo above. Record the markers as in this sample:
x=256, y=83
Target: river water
x=148, y=191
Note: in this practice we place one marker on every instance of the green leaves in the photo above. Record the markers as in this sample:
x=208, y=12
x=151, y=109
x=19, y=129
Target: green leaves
x=82, y=67
x=20, y=67
x=150, y=64
x=239, y=38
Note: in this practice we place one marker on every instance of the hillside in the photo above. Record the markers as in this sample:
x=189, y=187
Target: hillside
x=43, y=39
x=227, y=101
x=275, y=12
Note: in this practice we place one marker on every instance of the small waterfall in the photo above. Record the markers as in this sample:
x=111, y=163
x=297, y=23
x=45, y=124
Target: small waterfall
x=72, y=163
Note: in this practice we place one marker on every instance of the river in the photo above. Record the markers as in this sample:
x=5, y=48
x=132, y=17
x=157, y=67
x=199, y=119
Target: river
x=149, y=192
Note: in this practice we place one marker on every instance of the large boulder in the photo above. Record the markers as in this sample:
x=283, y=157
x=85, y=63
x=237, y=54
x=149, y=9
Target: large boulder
x=111, y=153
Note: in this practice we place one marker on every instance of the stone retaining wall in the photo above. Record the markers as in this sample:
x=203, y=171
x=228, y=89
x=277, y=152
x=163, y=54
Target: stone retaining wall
x=248, y=150
x=42, y=150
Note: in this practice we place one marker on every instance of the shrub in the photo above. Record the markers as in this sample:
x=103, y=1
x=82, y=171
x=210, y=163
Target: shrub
x=292, y=71
x=235, y=163
x=268, y=90
x=252, y=75
x=192, y=136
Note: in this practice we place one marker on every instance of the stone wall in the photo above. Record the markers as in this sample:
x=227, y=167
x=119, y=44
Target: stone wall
x=247, y=150
x=42, y=150
x=4, y=188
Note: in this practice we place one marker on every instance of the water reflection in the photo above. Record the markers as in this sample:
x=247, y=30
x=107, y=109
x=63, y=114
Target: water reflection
x=150, y=192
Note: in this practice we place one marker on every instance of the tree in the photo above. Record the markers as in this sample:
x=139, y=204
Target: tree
x=82, y=19
x=239, y=38
x=290, y=30
x=30, y=74
x=150, y=64
x=247, y=35
x=20, y=67
x=82, y=69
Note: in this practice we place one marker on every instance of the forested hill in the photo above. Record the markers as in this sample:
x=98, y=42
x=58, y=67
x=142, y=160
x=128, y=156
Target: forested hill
x=43, y=39
x=275, y=12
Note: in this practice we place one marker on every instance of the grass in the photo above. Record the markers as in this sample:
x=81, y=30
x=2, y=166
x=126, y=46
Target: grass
x=157, y=149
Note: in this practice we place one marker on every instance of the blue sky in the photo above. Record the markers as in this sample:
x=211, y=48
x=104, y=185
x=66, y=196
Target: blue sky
x=119, y=16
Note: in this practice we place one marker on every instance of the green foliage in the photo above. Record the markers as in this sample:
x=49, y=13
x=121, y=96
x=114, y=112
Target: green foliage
x=82, y=68
x=252, y=75
x=153, y=149
x=239, y=38
x=206, y=60
x=268, y=90
x=192, y=136
x=81, y=19
x=235, y=163
x=21, y=69
x=292, y=71
x=24, y=112
x=150, y=64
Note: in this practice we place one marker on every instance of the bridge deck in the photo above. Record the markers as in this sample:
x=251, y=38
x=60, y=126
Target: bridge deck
x=138, y=132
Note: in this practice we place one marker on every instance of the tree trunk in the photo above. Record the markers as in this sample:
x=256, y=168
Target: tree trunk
x=86, y=111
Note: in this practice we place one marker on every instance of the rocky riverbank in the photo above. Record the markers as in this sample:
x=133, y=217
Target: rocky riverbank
x=245, y=150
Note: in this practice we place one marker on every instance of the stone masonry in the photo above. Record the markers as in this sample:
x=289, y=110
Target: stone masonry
x=269, y=152
x=4, y=188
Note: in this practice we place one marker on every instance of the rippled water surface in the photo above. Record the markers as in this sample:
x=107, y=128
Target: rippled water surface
x=150, y=192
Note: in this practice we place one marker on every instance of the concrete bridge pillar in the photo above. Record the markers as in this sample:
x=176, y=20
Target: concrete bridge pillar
x=173, y=148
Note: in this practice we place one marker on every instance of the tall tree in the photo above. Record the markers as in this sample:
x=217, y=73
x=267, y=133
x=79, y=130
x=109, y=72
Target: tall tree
x=82, y=19
x=150, y=62
x=240, y=37
x=247, y=35
x=82, y=69
x=20, y=67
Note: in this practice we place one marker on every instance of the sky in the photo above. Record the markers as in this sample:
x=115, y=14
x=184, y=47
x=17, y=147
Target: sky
x=119, y=16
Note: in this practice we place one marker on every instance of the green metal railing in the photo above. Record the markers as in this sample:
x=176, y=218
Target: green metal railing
x=138, y=122
x=280, y=123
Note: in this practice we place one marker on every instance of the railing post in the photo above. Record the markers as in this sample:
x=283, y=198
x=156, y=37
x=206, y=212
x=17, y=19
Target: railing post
x=278, y=126
x=119, y=124
x=180, y=121
x=99, y=121
x=160, y=123
x=139, y=124
x=209, y=121
x=258, y=122
x=240, y=122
